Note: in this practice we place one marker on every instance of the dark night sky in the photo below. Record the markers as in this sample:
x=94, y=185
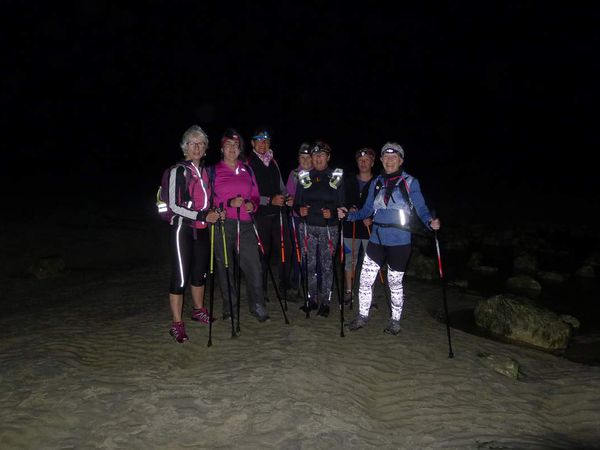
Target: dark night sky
x=482, y=95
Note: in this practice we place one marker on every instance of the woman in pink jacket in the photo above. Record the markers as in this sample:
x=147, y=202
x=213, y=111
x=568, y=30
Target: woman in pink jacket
x=235, y=190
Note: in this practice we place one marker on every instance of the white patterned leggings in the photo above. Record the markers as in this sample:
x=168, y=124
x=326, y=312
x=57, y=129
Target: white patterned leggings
x=369, y=271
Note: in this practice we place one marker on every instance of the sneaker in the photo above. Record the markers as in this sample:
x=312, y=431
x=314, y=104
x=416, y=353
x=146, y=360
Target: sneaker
x=200, y=315
x=261, y=313
x=393, y=327
x=358, y=323
x=323, y=310
x=178, y=332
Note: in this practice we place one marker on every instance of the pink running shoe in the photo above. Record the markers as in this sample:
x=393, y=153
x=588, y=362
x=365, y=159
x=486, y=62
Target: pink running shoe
x=178, y=332
x=200, y=315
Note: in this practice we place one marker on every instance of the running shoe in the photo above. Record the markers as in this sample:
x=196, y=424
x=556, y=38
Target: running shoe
x=358, y=323
x=178, y=332
x=393, y=327
x=200, y=315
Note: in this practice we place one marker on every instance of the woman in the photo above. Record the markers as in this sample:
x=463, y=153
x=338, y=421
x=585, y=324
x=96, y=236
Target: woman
x=304, y=163
x=319, y=193
x=236, y=191
x=394, y=198
x=356, y=234
x=189, y=195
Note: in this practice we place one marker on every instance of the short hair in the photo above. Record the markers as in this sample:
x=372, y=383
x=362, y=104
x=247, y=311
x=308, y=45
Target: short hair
x=194, y=130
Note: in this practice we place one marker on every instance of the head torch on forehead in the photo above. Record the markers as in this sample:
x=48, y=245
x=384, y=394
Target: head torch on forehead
x=364, y=152
x=262, y=136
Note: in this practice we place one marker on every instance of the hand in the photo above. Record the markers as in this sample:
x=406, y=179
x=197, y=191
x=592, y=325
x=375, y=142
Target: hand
x=304, y=210
x=368, y=222
x=222, y=214
x=249, y=206
x=212, y=216
x=236, y=202
x=435, y=224
x=342, y=212
x=353, y=209
x=326, y=213
x=289, y=200
x=277, y=200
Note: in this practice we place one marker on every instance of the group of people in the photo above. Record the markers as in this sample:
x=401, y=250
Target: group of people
x=238, y=213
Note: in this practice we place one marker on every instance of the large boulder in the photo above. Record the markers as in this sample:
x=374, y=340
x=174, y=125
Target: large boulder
x=521, y=320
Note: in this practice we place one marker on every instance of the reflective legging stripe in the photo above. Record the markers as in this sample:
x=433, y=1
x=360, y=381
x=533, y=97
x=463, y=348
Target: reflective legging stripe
x=365, y=291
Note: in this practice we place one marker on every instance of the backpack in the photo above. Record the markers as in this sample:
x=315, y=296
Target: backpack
x=162, y=195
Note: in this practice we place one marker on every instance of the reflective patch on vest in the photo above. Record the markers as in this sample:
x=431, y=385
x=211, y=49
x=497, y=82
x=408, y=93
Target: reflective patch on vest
x=304, y=178
x=336, y=178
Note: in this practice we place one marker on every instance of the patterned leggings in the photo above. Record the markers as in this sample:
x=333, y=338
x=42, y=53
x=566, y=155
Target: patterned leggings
x=365, y=291
x=322, y=242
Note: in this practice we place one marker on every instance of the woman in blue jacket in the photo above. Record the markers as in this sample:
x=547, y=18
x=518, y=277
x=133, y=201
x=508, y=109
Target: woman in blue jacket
x=394, y=199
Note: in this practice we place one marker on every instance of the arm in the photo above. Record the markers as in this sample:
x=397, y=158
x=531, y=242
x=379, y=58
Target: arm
x=177, y=192
x=367, y=209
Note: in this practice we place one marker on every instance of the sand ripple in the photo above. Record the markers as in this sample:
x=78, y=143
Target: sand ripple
x=102, y=372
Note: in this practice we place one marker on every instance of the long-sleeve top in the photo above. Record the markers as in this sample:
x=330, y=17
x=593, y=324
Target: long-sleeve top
x=356, y=195
x=292, y=181
x=320, y=194
x=230, y=183
x=390, y=216
x=189, y=194
x=270, y=183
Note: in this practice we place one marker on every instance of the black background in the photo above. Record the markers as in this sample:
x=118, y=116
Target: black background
x=491, y=100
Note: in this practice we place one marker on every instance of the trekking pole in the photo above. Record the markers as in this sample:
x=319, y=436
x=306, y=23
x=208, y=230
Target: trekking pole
x=306, y=292
x=282, y=258
x=262, y=251
x=238, y=272
x=437, y=248
x=212, y=283
x=222, y=226
x=341, y=298
x=297, y=247
x=335, y=269
x=353, y=273
x=387, y=295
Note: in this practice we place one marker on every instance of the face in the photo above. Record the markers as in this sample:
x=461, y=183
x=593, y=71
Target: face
x=261, y=145
x=320, y=160
x=391, y=162
x=231, y=150
x=195, y=148
x=305, y=161
x=364, y=163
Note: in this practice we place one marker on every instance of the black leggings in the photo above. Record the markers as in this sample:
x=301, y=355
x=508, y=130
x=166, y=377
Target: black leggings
x=396, y=256
x=189, y=257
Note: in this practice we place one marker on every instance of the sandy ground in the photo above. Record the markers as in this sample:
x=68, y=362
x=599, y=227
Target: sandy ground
x=87, y=363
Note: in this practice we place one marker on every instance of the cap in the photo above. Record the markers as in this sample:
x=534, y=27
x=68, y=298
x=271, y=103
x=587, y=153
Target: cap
x=364, y=152
x=392, y=147
x=261, y=135
x=232, y=134
x=320, y=147
x=304, y=149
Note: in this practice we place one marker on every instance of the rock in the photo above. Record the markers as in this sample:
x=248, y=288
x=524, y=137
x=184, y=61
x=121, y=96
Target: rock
x=422, y=267
x=521, y=320
x=525, y=264
x=47, y=267
x=524, y=285
x=486, y=271
x=585, y=271
x=504, y=365
x=476, y=259
x=573, y=321
x=552, y=277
